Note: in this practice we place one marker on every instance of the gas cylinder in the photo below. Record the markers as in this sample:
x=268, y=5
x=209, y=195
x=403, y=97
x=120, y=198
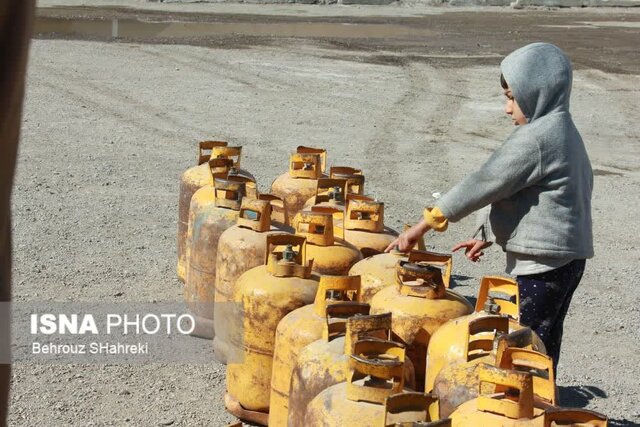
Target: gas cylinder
x=412, y=409
x=197, y=177
x=354, y=177
x=262, y=297
x=497, y=295
x=295, y=187
x=302, y=327
x=419, y=303
x=363, y=225
x=330, y=192
x=214, y=208
x=505, y=399
x=241, y=248
x=376, y=371
x=379, y=271
x=325, y=362
x=331, y=255
x=487, y=342
x=570, y=417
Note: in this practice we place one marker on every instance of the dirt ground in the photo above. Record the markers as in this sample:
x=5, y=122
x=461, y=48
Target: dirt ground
x=109, y=126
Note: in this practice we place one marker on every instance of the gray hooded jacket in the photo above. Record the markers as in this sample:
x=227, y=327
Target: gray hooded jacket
x=538, y=183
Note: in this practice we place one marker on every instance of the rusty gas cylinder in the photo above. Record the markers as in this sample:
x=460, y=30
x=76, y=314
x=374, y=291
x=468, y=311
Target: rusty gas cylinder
x=379, y=271
x=197, y=177
x=363, y=225
x=496, y=296
x=420, y=304
x=325, y=362
x=488, y=342
x=295, y=187
x=376, y=371
x=331, y=255
x=299, y=328
x=213, y=209
x=505, y=398
x=241, y=248
x=262, y=297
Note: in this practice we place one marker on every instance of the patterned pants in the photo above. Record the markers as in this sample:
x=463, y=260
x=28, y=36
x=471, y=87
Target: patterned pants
x=544, y=302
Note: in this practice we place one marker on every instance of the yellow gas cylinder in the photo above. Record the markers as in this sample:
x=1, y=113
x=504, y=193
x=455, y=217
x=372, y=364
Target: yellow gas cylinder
x=376, y=371
x=241, y=248
x=354, y=177
x=363, y=225
x=487, y=341
x=214, y=208
x=302, y=327
x=569, y=417
x=295, y=187
x=330, y=193
x=379, y=271
x=412, y=409
x=506, y=398
x=497, y=295
x=262, y=297
x=419, y=303
x=325, y=362
x=331, y=255
x=197, y=177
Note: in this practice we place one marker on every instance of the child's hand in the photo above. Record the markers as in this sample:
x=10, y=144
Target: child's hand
x=472, y=248
x=407, y=240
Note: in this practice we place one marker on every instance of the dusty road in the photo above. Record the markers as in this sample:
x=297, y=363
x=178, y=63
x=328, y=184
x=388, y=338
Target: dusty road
x=110, y=126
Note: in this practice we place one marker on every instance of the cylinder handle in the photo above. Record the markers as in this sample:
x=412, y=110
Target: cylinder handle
x=444, y=261
x=359, y=327
x=539, y=365
x=333, y=289
x=376, y=371
x=354, y=177
x=364, y=213
x=307, y=163
x=481, y=333
x=330, y=190
x=502, y=291
x=204, y=150
x=255, y=214
x=407, y=408
x=225, y=152
x=278, y=208
x=420, y=280
x=338, y=315
x=230, y=191
x=316, y=227
x=514, y=392
x=573, y=417
x=282, y=260
x=220, y=168
x=321, y=152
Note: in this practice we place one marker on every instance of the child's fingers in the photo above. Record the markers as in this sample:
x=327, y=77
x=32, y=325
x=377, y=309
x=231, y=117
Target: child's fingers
x=392, y=245
x=475, y=249
x=462, y=245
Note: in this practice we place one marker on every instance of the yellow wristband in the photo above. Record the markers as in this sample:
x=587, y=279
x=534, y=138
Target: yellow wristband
x=435, y=219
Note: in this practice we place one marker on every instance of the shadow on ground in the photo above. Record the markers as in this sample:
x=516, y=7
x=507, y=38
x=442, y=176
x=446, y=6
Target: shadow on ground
x=580, y=396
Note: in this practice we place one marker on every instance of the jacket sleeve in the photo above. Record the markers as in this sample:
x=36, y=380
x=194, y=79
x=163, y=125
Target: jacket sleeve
x=512, y=167
x=483, y=226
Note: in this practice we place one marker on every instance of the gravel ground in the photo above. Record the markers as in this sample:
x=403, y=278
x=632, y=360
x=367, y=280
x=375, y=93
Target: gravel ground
x=109, y=128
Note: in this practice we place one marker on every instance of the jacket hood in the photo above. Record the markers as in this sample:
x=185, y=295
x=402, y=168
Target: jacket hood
x=540, y=76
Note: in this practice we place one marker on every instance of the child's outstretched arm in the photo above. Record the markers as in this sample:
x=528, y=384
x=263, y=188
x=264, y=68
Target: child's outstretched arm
x=512, y=167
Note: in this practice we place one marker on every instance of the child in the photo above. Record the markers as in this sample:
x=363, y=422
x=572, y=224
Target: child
x=533, y=194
